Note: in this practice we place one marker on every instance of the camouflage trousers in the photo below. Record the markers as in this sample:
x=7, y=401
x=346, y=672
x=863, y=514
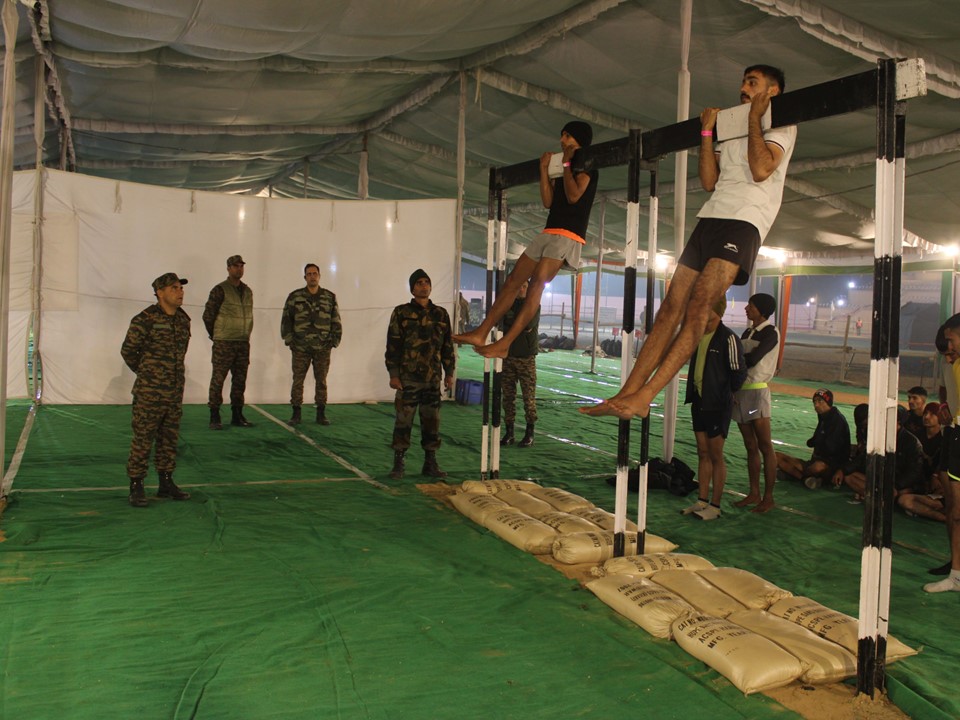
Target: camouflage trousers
x=524, y=371
x=154, y=423
x=301, y=361
x=426, y=396
x=229, y=356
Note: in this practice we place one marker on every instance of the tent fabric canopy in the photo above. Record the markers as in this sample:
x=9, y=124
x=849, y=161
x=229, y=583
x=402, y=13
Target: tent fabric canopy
x=242, y=96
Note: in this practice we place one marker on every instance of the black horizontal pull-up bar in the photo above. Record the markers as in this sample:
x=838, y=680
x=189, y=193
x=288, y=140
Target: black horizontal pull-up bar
x=827, y=99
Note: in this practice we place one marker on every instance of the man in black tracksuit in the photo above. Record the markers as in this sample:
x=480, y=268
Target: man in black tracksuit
x=716, y=372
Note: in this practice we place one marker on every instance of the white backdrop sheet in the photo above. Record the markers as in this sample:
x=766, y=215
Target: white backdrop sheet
x=105, y=242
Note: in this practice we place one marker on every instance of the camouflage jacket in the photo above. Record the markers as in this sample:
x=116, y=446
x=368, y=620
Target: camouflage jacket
x=154, y=348
x=527, y=343
x=311, y=321
x=419, y=343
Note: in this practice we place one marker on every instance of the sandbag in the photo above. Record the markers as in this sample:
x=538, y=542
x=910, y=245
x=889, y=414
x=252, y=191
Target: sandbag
x=650, y=563
x=750, y=661
x=823, y=661
x=477, y=506
x=832, y=625
x=706, y=598
x=602, y=518
x=521, y=531
x=565, y=523
x=495, y=486
x=590, y=547
x=525, y=502
x=652, y=607
x=561, y=499
x=751, y=590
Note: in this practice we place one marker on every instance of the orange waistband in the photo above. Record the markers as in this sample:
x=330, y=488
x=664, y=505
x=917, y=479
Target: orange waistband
x=566, y=233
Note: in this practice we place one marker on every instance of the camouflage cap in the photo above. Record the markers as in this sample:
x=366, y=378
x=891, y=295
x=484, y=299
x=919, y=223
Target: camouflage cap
x=235, y=260
x=166, y=280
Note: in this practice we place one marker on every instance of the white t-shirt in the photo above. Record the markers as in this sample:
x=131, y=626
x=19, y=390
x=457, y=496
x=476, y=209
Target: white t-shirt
x=737, y=196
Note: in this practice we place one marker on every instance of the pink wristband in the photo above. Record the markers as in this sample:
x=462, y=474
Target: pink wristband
x=566, y=164
x=706, y=133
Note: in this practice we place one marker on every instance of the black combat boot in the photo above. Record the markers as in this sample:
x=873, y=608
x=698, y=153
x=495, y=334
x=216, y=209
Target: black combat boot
x=322, y=415
x=430, y=467
x=508, y=437
x=238, y=419
x=137, y=496
x=527, y=437
x=295, y=418
x=168, y=488
x=397, y=472
x=215, y=422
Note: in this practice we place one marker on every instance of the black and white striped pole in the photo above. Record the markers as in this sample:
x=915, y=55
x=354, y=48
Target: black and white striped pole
x=626, y=336
x=647, y=327
x=492, y=206
x=500, y=261
x=884, y=374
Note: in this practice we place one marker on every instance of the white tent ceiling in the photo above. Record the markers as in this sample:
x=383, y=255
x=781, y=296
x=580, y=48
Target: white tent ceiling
x=242, y=95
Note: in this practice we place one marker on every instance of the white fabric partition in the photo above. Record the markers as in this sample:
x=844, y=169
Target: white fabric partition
x=105, y=242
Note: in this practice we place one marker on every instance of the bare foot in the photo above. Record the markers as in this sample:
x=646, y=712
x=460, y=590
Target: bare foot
x=499, y=349
x=766, y=505
x=748, y=500
x=474, y=337
x=624, y=408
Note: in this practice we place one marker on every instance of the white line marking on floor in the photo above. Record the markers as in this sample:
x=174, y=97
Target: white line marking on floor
x=329, y=453
x=14, y=468
x=311, y=481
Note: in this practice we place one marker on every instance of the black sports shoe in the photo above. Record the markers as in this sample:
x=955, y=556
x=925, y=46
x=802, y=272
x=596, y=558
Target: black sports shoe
x=941, y=570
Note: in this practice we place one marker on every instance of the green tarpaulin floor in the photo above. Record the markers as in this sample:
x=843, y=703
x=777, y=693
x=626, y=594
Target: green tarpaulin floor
x=301, y=582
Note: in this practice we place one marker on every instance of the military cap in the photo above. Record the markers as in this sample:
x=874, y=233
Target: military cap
x=235, y=260
x=166, y=280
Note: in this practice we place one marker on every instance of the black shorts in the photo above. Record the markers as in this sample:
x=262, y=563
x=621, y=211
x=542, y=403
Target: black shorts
x=950, y=452
x=736, y=241
x=712, y=422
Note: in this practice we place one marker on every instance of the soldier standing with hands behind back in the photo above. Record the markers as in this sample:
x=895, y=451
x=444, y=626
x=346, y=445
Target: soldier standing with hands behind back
x=154, y=348
x=228, y=318
x=311, y=328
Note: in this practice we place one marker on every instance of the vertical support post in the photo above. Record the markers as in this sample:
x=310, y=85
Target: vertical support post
x=596, y=290
x=501, y=264
x=884, y=374
x=626, y=335
x=648, y=326
x=493, y=198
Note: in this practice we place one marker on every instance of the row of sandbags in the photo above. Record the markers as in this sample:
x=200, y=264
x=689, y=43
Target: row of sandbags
x=755, y=634
x=548, y=521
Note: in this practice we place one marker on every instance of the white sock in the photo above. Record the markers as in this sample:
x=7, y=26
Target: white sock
x=955, y=575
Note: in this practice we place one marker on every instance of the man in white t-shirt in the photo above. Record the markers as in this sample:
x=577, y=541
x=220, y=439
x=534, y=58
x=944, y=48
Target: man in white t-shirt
x=746, y=176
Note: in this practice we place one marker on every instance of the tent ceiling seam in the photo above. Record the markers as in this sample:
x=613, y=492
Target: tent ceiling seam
x=863, y=41
x=39, y=29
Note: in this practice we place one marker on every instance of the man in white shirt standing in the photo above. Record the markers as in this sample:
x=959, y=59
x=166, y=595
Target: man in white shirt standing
x=746, y=176
x=751, y=403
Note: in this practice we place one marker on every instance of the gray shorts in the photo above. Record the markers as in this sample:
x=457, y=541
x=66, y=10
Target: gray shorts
x=555, y=247
x=750, y=405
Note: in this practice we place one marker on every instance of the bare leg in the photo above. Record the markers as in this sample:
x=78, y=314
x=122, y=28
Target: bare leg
x=522, y=272
x=704, y=466
x=715, y=448
x=709, y=287
x=656, y=344
x=544, y=271
x=923, y=506
x=753, y=465
x=790, y=465
x=765, y=445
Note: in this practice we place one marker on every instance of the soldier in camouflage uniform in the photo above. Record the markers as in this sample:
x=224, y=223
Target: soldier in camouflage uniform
x=228, y=318
x=419, y=355
x=154, y=349
x=311, y=328
x=520, y=365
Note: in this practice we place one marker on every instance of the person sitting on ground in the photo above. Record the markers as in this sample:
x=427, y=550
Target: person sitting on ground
x=751, y=403
x=909, y=464
x=569, y=199
x=830, y=443
x=916, y=402
x=928, y=502
x=716, y=372
x=857, y=464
